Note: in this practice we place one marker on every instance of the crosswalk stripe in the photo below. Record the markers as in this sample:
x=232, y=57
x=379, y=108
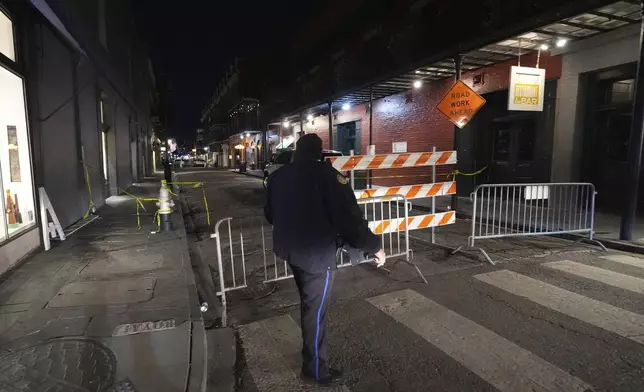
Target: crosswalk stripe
x=625, y=259
x=501, y=363
x=267, y=367
x=273, y=355
x=602, y=315
x=611, y=278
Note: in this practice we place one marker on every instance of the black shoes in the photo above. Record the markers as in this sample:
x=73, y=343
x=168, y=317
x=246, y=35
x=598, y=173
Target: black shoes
x=332, y=377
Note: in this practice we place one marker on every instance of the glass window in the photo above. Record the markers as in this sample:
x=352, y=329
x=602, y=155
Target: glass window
x=619, y=133
x=6, y=37
x=284, y=158
x=526, y=141
x=622, y=91
x=502, y=145
x=15, y=164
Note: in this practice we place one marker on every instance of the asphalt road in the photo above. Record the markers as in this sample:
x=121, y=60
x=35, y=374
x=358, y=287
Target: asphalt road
x=550, y=316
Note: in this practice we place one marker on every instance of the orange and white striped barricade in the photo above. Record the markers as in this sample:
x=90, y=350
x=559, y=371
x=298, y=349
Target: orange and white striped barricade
x=394, y=240
x=409, y=192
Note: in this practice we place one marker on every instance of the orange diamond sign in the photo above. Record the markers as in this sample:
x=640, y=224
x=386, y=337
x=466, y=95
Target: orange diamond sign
x=460, y=104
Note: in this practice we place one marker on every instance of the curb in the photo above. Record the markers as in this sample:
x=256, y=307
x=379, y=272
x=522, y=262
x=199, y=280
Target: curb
x=216, y=372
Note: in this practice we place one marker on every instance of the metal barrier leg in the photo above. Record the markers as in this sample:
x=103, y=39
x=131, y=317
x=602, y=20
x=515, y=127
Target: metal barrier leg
x=487, y=257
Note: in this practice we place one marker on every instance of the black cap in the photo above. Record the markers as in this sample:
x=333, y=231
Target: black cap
x=308, y=148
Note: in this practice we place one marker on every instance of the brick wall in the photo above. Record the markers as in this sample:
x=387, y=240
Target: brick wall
x=411, y=116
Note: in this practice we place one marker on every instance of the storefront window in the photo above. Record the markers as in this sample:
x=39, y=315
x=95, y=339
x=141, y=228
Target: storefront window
x=6, y=37
x=15, y=164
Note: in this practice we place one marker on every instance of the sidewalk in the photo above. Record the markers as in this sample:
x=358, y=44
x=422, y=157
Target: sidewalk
x=113, y=307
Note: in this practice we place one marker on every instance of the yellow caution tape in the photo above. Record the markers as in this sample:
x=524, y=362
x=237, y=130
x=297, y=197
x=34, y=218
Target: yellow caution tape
x=89, y=191
x=460, y=173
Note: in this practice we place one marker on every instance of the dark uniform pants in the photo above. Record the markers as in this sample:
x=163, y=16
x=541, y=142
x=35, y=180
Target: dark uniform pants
x=315, y=293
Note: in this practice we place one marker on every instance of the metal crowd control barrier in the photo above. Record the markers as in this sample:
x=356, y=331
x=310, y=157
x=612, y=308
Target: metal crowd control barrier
x=245, y=258
x=517, y=210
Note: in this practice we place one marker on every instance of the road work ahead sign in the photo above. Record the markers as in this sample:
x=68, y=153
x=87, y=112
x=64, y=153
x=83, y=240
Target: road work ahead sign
x=460, y=104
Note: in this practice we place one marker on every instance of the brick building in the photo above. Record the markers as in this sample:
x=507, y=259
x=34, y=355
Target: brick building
x=589, y=51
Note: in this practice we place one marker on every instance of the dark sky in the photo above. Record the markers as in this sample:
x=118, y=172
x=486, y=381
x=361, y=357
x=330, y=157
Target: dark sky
x=192, y=43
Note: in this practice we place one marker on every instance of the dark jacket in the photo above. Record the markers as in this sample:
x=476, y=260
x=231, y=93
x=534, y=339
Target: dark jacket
x=311, y=206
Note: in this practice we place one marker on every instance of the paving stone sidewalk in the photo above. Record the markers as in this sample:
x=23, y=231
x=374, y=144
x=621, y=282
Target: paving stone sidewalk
x=111, y=308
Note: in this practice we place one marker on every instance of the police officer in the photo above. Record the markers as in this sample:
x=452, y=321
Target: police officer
x=311, y=206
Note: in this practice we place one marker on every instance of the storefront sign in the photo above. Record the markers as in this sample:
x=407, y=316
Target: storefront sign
x=526, y=89
x=399, y=147
x=460, y=104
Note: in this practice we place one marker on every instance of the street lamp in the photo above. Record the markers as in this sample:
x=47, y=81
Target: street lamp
x=346, y=106
x=418, y=84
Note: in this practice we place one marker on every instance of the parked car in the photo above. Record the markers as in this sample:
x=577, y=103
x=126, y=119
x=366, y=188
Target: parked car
x=282, y=158
x=178, y=163
x=199, y=162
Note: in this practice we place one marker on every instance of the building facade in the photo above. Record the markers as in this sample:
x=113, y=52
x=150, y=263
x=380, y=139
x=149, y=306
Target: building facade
x=232, y=116
x=589, y=52
x=79, y=97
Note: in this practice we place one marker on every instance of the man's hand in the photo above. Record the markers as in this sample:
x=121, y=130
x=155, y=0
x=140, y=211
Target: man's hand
x=380, y=259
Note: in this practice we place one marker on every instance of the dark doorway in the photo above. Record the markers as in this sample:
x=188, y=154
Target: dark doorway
x=346, y=137
x=515, y=147
x=608, y=126
x=513, y=152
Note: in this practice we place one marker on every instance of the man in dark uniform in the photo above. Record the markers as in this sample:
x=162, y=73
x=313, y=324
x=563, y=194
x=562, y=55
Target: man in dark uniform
x=311, y=206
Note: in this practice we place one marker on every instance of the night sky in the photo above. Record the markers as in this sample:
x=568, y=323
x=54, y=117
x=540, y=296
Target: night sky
x=193, y=42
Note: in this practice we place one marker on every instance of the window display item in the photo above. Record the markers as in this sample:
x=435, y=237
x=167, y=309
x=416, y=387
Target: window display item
x=14, y=158
x=17, y=213
x=10, y=208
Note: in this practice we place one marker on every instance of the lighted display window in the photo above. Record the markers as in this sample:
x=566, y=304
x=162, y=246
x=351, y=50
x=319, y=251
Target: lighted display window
x=18, y=209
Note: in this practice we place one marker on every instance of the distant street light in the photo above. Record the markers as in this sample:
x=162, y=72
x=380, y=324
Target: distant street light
x=418, y=84
x=346, y=106
x=561, y=42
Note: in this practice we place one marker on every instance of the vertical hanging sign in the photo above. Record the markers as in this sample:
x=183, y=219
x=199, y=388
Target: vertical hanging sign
x=526, y=89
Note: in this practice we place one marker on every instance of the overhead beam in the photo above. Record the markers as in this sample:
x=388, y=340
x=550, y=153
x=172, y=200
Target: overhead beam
x=553, y=34
x=584, y=26
x=614, y=17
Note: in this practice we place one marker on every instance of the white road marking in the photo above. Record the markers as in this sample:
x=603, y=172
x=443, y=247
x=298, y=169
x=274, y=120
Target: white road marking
x=602, y=315
x=503, y=364
x=625, y=259
x=273, y=355
x=608, y=277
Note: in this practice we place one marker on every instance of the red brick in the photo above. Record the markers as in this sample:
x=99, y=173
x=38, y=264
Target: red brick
x=411, y=116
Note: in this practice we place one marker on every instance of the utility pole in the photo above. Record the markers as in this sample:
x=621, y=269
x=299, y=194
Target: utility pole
x=457, y=135
x=634, y=168
x=330, y=125
x=370, y=129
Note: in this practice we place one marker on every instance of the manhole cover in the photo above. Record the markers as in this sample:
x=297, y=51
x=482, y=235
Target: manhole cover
x=58, y=365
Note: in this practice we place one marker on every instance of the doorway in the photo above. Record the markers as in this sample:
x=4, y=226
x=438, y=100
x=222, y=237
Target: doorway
x=514, y=149
x=346, y=137
x=611, y=95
